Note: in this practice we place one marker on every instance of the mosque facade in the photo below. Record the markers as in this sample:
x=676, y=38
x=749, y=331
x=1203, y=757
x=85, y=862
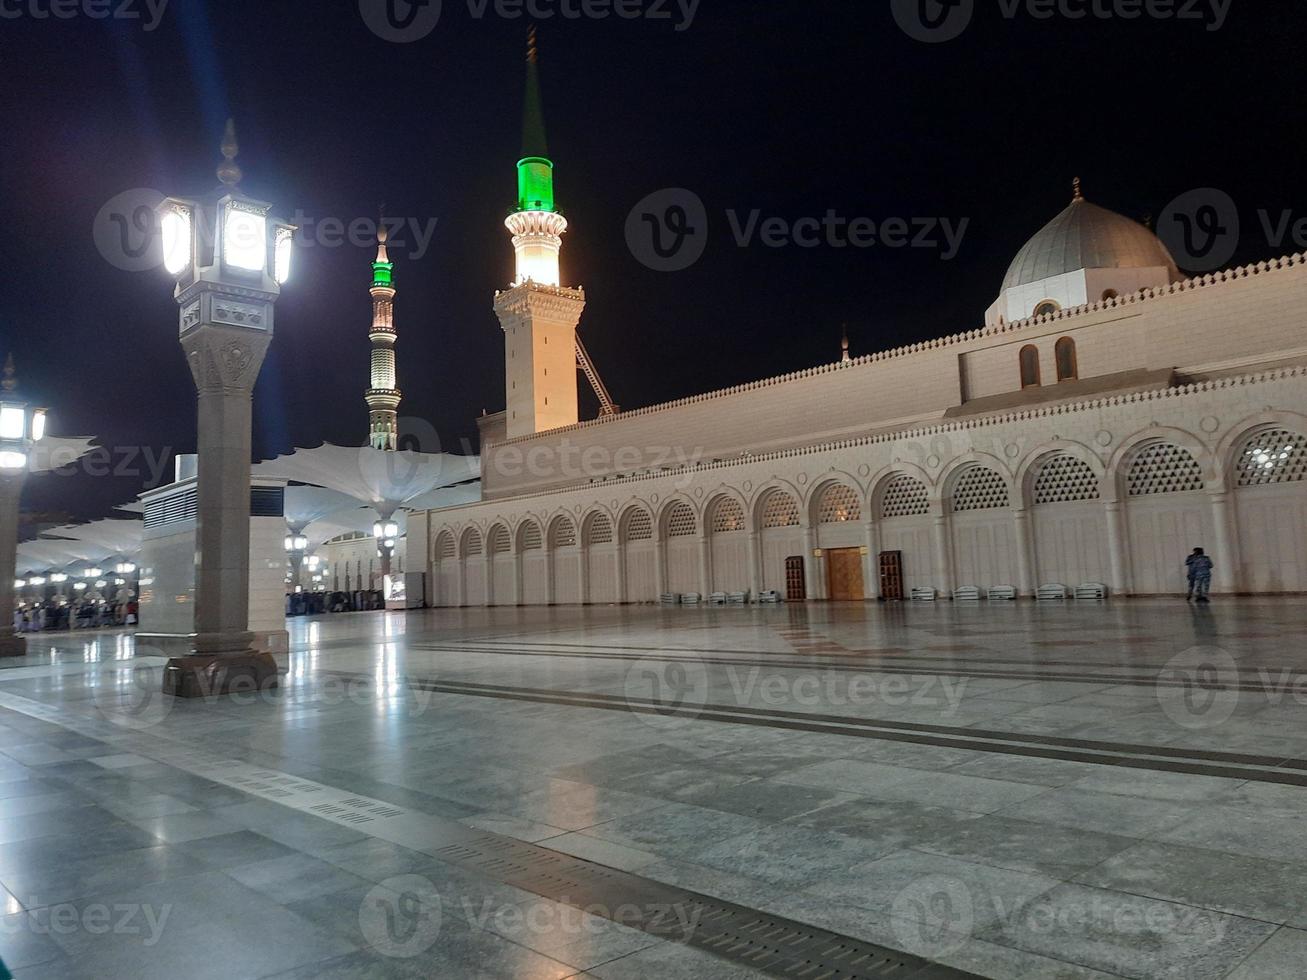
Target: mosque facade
x=1109, y=417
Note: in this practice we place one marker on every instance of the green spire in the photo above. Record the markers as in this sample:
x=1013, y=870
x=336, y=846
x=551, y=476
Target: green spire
x=383, y=269
x=535, y=171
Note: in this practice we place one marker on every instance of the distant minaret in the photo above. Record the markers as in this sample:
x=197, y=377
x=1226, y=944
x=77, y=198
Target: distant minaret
x=383, y=396
x=537, y=313
x=844, y=344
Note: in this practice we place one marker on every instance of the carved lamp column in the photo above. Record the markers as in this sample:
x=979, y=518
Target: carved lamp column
x=230, y=259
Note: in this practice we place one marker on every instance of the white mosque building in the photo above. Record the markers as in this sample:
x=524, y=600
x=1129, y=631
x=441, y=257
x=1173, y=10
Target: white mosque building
x=1110, y=416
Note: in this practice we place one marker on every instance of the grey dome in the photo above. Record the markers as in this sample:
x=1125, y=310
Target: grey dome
x=1085, y=236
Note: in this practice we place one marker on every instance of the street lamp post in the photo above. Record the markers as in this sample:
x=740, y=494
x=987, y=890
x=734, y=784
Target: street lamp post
x=230, y=259
x=21, y=427
x=296, y=546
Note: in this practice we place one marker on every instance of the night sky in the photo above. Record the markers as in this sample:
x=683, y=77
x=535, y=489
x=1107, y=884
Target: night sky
x=791, y=108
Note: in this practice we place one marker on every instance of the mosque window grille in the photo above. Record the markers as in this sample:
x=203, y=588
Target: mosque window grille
x=904, y=496
x=471, y=543
x=1162, y=467
x=562, y=533
x=681, y=522
x=727, y=516
x=980, y=488
x=499, y=541
x=599, y=530
x=839, y=504
x=780, y=510
x=1273, y=456
x=531, y=537
x=639, y=526
x=444, y=547
x=1065, y=479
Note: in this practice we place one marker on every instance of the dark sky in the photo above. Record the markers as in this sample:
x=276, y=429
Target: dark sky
x=791, y=108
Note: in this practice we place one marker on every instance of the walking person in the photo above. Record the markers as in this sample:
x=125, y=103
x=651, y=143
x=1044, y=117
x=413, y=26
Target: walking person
x=1200, y=575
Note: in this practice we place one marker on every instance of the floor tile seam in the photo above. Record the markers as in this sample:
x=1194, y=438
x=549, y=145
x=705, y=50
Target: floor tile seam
x=1030, y=677
x=718, y=712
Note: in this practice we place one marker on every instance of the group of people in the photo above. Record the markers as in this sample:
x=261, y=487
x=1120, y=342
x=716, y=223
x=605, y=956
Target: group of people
x=80, y=615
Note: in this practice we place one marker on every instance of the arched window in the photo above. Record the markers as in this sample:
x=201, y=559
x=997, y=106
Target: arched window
x=1064, y=352
x=1046, y=308
x=1029, y=366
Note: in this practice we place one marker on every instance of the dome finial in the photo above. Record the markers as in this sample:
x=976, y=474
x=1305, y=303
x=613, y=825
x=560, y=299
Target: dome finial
x=1076, y=193
x=532, y=54
x=9, y=383
x=228, y=171
x=383, y=234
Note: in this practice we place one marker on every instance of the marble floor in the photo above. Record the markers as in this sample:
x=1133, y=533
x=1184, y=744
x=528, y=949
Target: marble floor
x=1015, y=791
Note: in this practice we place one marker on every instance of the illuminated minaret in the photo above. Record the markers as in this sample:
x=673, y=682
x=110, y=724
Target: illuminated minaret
x=537, y=313
x=383, y=396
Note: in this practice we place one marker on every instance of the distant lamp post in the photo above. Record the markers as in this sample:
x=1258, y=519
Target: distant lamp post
x=387, y=534
x=296, y=546
x=21, y=428
x=230, y=258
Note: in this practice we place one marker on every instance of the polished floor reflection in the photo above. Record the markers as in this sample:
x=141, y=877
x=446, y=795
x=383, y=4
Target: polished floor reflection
x=1016, y=791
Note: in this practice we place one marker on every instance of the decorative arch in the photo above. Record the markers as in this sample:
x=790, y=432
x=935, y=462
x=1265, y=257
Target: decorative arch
x=562, y=532
x=1236, y=439
x=635, y=524
x=1063, y=478
x=725, y=514
x=777, y=508
x=1028, y=471
x=529, y=535
x=1268, y=456
x=976, y=486
x=902, y=495
x=597, y=528
x=445, y=548
x=679, y=519
x=837, y=501
x=498, y=541
x=471, y=544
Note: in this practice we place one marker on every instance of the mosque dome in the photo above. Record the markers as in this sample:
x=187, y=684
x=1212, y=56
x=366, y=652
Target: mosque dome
x=1086, y=236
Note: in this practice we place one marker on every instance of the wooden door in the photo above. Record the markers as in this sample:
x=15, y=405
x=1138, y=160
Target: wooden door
x=891, y=575
x=844, y=572
x=795, y=589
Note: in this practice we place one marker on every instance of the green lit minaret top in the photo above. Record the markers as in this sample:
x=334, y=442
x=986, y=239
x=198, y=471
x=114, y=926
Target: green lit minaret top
x=383, y=270
x=535, y=171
